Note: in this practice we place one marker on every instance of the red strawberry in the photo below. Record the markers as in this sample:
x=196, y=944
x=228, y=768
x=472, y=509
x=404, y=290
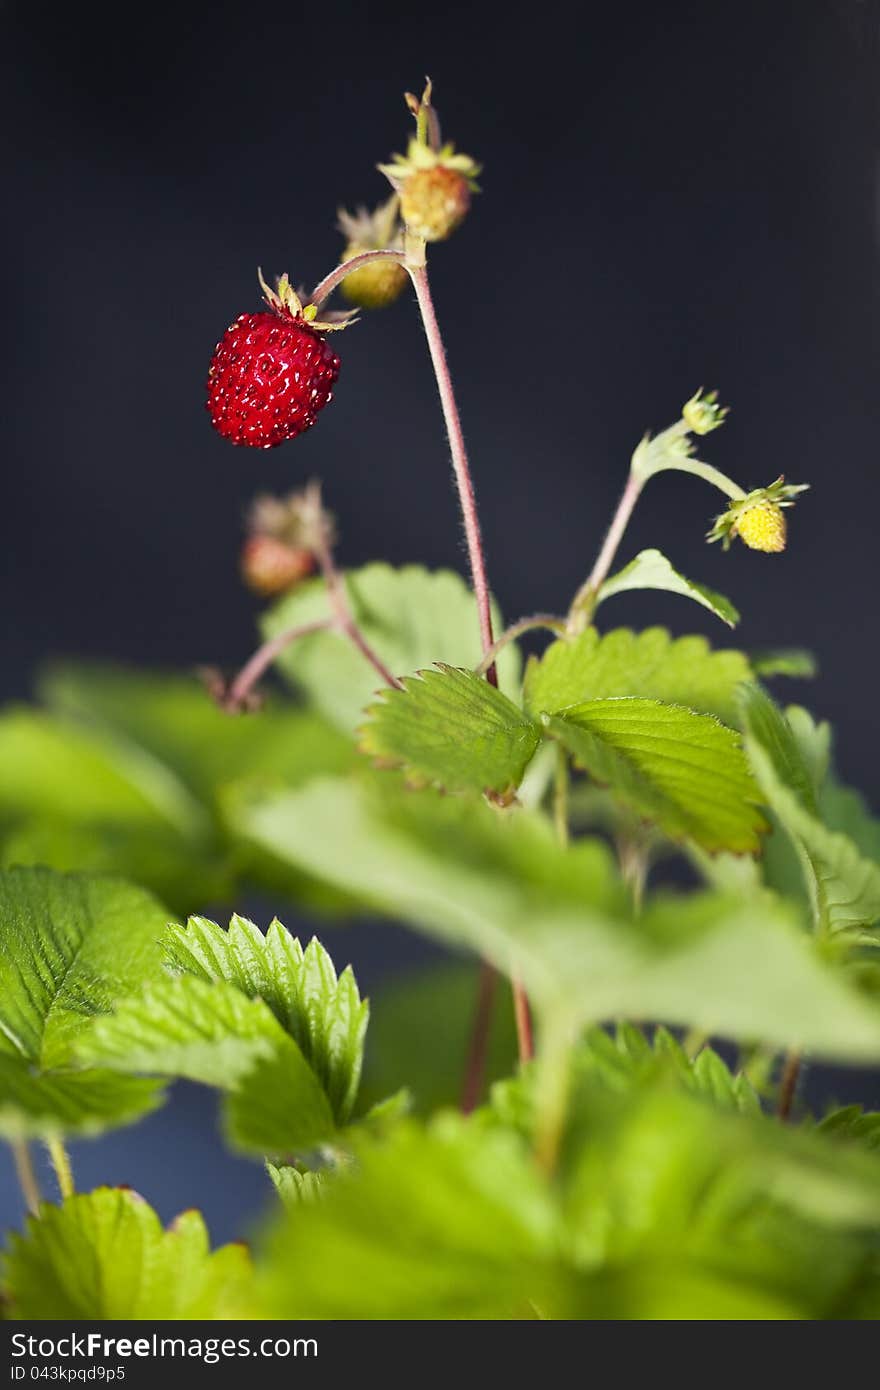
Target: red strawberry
x=271, y=373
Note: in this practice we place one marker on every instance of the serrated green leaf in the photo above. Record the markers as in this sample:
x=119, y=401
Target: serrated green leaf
x=411, y=616
x=451, y=729
x=853, y=1123
x=651, y=570
x=684, y=771
x=323, y=1013
x=70, y=946
x=626, y=1063
x=844, y=886
x=103, y=1255
x=212, y=1033
x=43, y=1105
x=647, y=664
x=500, y=885
x=296, y=1189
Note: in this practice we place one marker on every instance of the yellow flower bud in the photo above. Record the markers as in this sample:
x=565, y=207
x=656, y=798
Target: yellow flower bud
x=762, y=527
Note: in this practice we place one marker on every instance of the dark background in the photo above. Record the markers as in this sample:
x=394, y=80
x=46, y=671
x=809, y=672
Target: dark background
x=675, y=194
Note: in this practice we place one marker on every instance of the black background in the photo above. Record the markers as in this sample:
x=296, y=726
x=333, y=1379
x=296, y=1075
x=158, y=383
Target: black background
x=675, y=194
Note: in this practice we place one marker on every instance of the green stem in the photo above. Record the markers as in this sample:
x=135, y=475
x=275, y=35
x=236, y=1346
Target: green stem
x=560, y=796
x=27, y=1178
x=61, y=1163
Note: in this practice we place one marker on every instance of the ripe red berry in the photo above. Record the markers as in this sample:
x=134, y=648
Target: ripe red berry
x=270, y=375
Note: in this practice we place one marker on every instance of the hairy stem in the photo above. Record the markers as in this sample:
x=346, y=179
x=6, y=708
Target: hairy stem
x=605, y=559
x=510, y=634
x=419, y=275
x=61, y=1163
x=791, y=1071
x=262, y=659
x=478, y=1045
x=460, y=465
x=325, y=287
x=27, y=1178
x=345, y=619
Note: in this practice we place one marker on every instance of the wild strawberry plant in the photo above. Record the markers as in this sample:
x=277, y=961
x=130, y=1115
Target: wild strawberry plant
x=592, y=1110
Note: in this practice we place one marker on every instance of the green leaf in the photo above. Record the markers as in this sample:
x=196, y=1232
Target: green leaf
x=411, y=616
x=684, y=771
x=844, y=886
x=651, y=570
x=57, y=769
x=472, y=1199
x=129, y=774
x=172, y=719
x=500, y=885
x=663, y=1182
x=176, y=869
x=104, y=1256
x=323, y=1013
x=212, y=1033
x=44, y=1105
x=854, y=1124
x=784, y=661
x=627, y=1060
x=70, y=946
x=647, y=664
x=451, y=729
x=296, y=1189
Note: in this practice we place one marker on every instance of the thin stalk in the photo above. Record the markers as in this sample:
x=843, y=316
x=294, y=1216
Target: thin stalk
x=61, y=1163
x=262, y=659
x=338, y=596
x=464, y=482
x=510, y=634
x=522, y=1013
x=27, y=1178
x=610, y=545
x=325, y=287
x=467, y=499
x=553, y=1093
x=478, y=1045
x=791, y=1071
x=560, y=796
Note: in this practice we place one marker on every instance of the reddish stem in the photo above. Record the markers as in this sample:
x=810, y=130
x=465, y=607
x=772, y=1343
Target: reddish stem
x=460, y=465
x=262, y=659
x=325, y=288
x=478, y=1047
x=522, y=1012
x=338, y=596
